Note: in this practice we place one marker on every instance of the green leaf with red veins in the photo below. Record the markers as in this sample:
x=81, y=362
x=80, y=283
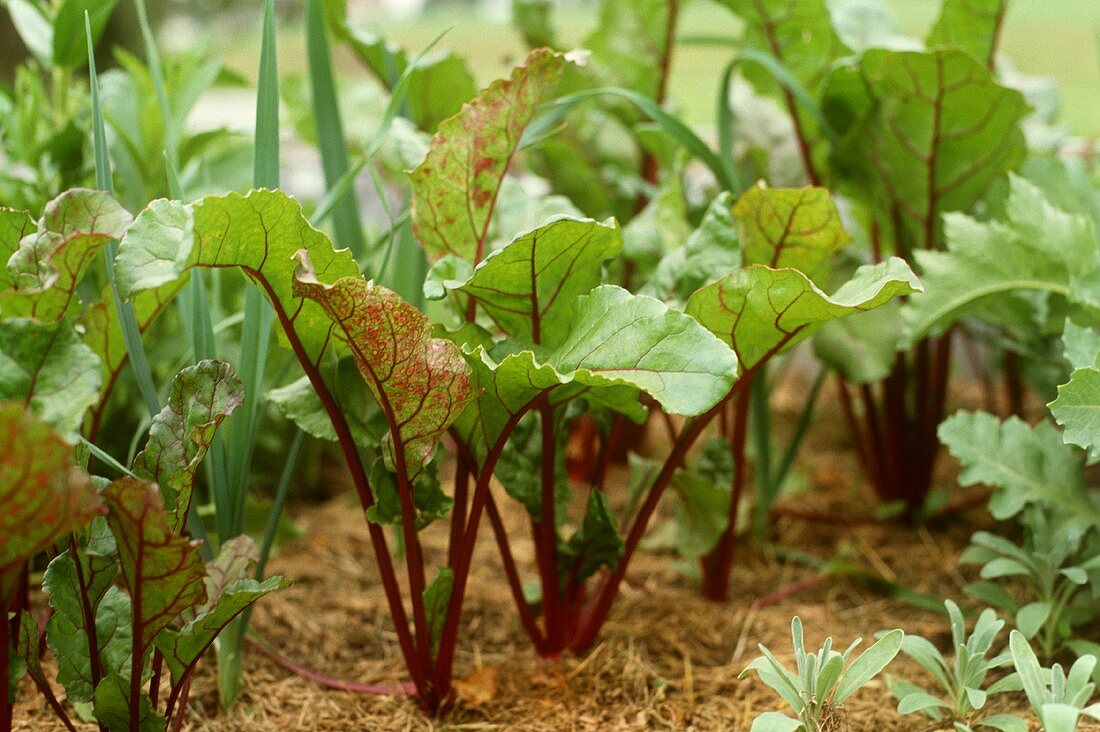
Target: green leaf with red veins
x=421, y=383
x=202, y=396
x=258, y=232
x=528, y=288
x=50, y=262
x=14, y=225
x=47, y=367
x=761, y=312
x=621, y=338
x=972, y=25
x=101, y=329
x=161, y=570
x=798, y=228
x=799, y=34
x=922, y=134
x=43, y=495
x=230, y=589
x=456, y=187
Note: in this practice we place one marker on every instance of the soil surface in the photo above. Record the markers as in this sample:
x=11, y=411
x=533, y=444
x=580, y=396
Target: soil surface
x=667, y=659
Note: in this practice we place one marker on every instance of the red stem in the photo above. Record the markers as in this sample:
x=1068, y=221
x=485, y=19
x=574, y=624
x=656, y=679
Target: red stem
x=362, y=487
x=717, y=564
x=510, y=571
x=461, y=498
x=444, y=661
x=327, y=681
x=546, y=535
x=595, y=613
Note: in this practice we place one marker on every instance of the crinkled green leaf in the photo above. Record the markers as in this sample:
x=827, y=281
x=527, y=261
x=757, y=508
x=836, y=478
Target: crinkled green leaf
x=639, y=340
x=430, y=503
x=519, y=468
x=1081, y=346
x=201, y=397
x=1028, y=465
x=101, y=329
x=923, y=133
x=14, y=225
x=421, y=383
x=702, y=513
x=112, y=708
x=258, y=232
x=455, y=188
x=230, y=589
x=298, y=402
x=66, y=634
x=761, y=312
x=508, y=388
x=50, y=262
x=1077, y=408
x=712, y=250
x=989, y=266
x=797, y=228
x=162, y=571
x=47, y=367
x=862, y=347
x=972, y=25
x=43, y=494
x=529, y=287
x=596, y=544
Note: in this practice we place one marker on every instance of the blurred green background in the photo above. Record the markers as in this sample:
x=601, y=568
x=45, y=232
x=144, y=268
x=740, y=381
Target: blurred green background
x=1055, y=38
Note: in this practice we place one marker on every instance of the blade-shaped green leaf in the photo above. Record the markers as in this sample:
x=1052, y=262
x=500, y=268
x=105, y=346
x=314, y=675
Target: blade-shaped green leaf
x=641, y=341
x=421, y=383
x=924, y=133
x=529, y=287
x=972, y=25
x=989, y=266
x=43, y=495
x=50, y=262
x=49, y=369
x=761, y=311
x=797, y=228
x=869, y=664
x=455, y=188
x=1028, y=464
x=230, y=590
x=201, y=397
x=162, y=571
x=258, y=232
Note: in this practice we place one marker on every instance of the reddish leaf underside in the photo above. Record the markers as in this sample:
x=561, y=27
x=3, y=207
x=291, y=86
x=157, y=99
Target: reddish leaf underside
x=50, y=262
x=455, y=188
x=422, y=384
x=43, y=495
x=162, y=571
x=202, y=396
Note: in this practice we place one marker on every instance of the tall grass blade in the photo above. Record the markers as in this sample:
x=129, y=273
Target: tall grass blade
x=231, y=497
x=156, y=72
x=346, y=222
x=139, y=362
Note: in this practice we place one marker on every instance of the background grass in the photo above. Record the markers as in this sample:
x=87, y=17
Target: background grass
x=1055, y=38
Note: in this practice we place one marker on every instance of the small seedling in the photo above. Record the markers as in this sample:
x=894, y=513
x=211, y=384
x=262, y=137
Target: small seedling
x=823, y=682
